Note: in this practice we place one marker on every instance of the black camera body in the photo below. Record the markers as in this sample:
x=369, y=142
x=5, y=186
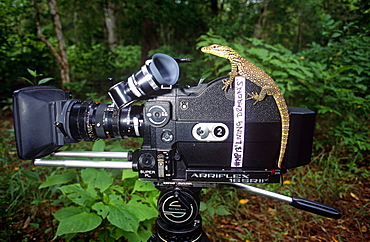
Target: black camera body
x=189, y=134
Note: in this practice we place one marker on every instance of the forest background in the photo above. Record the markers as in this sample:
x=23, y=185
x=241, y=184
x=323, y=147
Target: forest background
x=318, y=51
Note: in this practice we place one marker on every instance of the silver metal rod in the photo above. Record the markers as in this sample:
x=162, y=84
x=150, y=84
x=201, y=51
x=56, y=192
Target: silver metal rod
x=84, y=163
x=91, y=154
x=262, y=192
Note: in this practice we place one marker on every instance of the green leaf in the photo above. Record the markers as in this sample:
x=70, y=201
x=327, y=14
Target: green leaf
x=326, y=109
x=296, y=74
x=335, y=35
x=142, y=211
x=101, y=209
x=33, y=73
x=115, y=200
x=260, y=52
x=30, y=82
x=128, y=173
x=203, y=206
x=221, y=210
x=96, y=178
x=277, y=63
x=65, y=213
x=281, y=74
x=77, y=194
x=137, y=237
x=58, y=179
x=224, y=69
x=99, y=145
x=123, y=219
x=79, y=223
x=143, y=186
x=31, y=175
x=117, y=233
x=143, y=207
x=44, y=80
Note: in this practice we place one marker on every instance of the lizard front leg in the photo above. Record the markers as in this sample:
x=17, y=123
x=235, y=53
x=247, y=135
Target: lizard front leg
x=228, y=83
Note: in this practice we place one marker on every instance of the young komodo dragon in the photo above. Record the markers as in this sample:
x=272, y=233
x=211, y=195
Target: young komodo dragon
x=240, y=66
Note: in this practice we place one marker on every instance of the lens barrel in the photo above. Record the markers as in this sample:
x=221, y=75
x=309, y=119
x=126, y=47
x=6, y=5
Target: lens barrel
x=90, y=121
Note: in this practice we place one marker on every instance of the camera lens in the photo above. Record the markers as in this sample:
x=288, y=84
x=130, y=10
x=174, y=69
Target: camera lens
x=90, y=121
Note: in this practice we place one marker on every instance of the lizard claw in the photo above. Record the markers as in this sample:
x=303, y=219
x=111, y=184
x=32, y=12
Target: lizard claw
x=227, y=84
x=254, y=96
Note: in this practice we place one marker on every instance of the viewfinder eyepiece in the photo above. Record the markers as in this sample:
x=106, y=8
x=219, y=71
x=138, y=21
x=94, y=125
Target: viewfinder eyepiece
x=161, y=70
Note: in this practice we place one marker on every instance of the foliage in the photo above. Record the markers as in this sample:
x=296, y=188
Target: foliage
x=99, y=202
x=341, y=90
x=215, y=203
x=117, y=64
x=107, y=203
x=35, y=75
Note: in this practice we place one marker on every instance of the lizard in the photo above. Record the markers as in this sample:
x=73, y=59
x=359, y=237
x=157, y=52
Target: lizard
x=243, y=67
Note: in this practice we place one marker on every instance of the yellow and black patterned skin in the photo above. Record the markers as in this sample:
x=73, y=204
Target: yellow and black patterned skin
x=240, y=66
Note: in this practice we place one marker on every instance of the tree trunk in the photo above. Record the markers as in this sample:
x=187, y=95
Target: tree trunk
x=214, y=7
x=258, y=25
x=111, y=24
x=61, y=54
x=149, y=38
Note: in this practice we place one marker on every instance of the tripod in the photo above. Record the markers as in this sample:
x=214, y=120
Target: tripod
x=178, y=205
x=179, y=218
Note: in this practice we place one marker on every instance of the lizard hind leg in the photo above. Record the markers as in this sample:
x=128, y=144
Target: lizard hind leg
x=255, y=96
x=258, y=96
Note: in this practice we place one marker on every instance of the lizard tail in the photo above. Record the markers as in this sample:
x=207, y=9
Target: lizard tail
x=285, y=121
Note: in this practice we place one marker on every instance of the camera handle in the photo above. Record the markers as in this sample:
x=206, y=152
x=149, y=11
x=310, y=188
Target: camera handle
x=297, y=202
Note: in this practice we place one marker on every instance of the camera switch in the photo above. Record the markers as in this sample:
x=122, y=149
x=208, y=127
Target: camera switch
x=146, y=160
x=202, y=131
x=167, y=137
x=210, y=132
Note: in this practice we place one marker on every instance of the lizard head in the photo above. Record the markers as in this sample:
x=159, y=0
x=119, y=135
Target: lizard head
x=219, y=50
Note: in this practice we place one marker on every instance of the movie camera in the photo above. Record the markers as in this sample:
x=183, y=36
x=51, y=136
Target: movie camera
x=190, y=137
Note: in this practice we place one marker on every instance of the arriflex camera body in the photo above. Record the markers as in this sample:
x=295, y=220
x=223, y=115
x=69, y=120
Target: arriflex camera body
x=189, y=134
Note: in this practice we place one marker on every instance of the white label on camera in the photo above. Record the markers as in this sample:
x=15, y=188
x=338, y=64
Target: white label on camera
x=239, y=122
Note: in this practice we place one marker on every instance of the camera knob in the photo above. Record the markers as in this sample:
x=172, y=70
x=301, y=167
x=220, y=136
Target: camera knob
x=158, y=115
x=202, y=131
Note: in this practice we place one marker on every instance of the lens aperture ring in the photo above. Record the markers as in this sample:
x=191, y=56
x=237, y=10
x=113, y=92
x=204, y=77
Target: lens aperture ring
x=84, y=121
x=115, y=122
x=100, y=118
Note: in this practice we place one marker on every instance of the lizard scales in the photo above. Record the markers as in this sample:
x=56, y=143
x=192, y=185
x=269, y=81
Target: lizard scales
x=241, y=66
